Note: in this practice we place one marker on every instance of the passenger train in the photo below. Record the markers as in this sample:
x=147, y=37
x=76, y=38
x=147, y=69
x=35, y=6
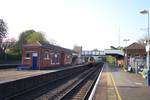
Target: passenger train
x=91, y=61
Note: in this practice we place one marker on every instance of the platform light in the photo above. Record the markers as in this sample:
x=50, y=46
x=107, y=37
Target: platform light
x=148, y=72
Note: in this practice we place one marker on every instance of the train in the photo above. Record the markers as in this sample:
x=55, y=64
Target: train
x=95, y=61
x=91, y=61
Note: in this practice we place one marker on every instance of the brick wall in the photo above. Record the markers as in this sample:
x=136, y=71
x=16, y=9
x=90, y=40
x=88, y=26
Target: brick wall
x=45, y=57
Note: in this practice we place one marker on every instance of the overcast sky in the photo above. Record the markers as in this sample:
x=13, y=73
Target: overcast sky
x=88, y=23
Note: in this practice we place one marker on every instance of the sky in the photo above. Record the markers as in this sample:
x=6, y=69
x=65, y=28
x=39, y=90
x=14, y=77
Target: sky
x=87, y=23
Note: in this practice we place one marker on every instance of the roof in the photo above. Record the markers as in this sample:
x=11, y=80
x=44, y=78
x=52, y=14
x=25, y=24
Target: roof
x=114, y=52
x=54, y=47
x=33, y=44
x=59, y=48
x=136, y=46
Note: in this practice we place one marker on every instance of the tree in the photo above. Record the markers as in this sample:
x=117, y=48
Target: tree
x=3, y=33
x=3, y=30
x=6, y=45
x=31, y=36
x=95, y=49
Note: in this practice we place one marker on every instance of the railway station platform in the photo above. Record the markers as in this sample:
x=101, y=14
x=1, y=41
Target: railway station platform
x=15, y=82
x=12, y=74
x=115, y=84
x=7, y=75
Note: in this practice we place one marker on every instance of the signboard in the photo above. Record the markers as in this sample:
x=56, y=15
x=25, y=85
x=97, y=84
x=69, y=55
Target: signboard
x=34, y=54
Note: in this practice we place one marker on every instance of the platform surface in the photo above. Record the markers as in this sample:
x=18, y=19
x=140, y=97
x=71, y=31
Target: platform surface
x=115, y=84
x=7, y=75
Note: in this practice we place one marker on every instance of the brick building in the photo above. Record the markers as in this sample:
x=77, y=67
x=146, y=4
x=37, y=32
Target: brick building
x=135, y=55
x=47, y=55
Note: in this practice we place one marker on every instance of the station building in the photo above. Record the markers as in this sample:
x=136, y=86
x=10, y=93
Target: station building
x=46, y=55
x=135, y=55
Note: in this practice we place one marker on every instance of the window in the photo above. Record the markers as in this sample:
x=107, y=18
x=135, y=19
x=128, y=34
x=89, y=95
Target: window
x=28, y=55
x=68, y=59
x=55, y=58
x=46, y=55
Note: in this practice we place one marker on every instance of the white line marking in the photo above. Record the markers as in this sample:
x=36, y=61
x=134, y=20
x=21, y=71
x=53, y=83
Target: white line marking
x=95, y=86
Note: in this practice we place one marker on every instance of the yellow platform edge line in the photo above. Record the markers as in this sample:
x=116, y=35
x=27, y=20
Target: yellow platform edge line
x=116, y=89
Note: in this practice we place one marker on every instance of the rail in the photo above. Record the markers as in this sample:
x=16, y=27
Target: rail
x=83, y=88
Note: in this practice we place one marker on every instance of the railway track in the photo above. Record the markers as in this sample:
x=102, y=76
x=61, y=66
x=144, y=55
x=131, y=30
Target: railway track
x=83, y=89
x=73, y=86
x=36, y=91
x=63, y=89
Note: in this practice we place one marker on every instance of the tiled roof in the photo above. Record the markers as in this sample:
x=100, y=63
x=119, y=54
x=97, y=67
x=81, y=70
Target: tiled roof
x=33, y=44
x=136, y=46
x=54, y=47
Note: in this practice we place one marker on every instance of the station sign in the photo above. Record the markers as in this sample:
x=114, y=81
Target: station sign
x=34, y=54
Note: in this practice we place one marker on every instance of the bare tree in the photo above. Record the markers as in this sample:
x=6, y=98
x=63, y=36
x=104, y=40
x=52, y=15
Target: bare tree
x=6, y=45
x=3, y=30
x=143, y=40
x=3, y=33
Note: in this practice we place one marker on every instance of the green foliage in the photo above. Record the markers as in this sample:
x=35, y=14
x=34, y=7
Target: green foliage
x=31, y=36
x=95, y=49
x=110, y=59
x=116, y=48
x=120, y=48
x=10, y=57
x=16, y=50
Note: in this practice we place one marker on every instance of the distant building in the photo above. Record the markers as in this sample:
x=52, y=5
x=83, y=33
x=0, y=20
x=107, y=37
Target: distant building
x=135, y=55
x=77, y=56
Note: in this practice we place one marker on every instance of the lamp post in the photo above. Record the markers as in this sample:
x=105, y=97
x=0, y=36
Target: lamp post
x=126, y=51
x=147, y=47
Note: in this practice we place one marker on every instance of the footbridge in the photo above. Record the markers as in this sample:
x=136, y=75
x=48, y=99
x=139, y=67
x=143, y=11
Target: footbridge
x=114, y=52
x=98, y=55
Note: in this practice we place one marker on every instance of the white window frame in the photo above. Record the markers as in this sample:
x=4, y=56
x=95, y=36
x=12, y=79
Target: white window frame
x=47, y=57
x=52, y=59
x=57, y=58
x=54, y=54
x=68, y=59
x=30, y=53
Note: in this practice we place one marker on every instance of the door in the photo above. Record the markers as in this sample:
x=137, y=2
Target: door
x=34, y=61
